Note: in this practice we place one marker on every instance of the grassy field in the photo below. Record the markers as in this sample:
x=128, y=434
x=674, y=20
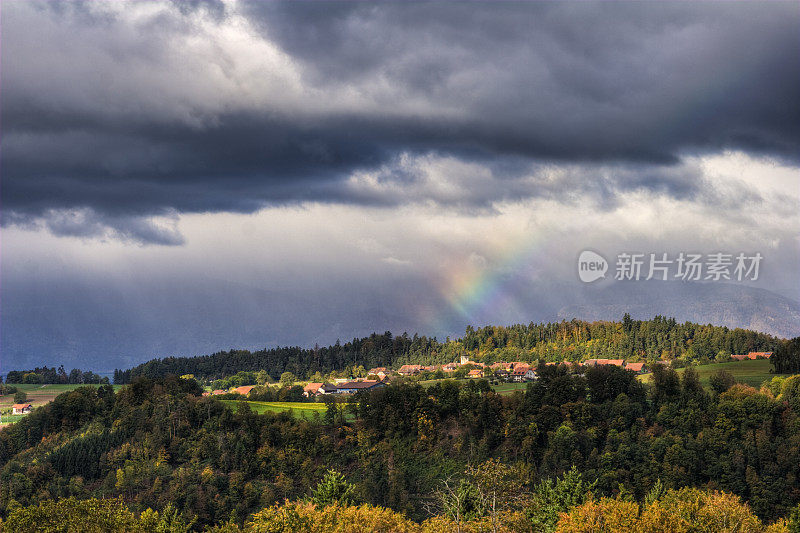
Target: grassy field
x=296, y=409
x=501, y=388
x=751, y=373
x=508, y=388
x=10, y=419
x=38, y=395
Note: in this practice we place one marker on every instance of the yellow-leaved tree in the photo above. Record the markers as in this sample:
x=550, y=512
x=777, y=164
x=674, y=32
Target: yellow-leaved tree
x=688, y=510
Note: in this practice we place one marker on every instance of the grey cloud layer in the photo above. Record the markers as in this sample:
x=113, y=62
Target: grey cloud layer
x=110, y=118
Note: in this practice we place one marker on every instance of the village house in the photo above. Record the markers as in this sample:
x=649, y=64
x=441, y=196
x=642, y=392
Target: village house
x=244, y=390
x=639, y=368
x=751, y=356
x=502, y=373
x=475, y=373
x=311, y=389
x=450, y=367
x=356, y=386
x=328, y=388
x=409, y=370
x=519, y=372
x=217, y=392
x=380, y=371
x=21, y=408
x=600, y=362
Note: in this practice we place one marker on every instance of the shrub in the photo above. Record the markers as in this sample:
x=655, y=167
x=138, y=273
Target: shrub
x=601, y=516
x=302, y=517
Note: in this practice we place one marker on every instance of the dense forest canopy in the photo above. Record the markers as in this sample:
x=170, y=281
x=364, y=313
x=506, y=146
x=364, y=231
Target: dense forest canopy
x=159, y=444
x=576, y=340
x=786, y=358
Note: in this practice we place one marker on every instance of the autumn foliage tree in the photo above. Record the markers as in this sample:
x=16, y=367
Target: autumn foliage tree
x=688, y=510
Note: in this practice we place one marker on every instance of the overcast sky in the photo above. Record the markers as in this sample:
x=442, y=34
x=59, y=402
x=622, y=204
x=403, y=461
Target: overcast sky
x=182, y=177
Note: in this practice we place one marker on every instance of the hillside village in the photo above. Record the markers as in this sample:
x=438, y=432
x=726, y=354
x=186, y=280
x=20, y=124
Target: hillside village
x=501, y=371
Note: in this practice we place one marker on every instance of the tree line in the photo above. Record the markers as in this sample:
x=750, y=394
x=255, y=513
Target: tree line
x=45, y=375
x=575, y=340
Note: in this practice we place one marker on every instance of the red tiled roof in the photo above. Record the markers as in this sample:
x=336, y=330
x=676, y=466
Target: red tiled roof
x=312, y=387
x=245, y=390
x=521, y=369
x=21, y=406
x=615, y=362
x=636, y=367
x=411, y=369
x=217, y=392
x=358, y=384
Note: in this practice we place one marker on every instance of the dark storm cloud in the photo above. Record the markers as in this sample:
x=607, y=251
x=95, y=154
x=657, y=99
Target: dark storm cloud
x=589, y=81
x=511, y=87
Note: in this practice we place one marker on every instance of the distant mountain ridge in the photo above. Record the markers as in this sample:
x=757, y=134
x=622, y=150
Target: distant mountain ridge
x=721, y=304
x=120, y=326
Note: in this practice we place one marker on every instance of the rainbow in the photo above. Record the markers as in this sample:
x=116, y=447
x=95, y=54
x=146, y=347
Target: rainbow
x=473, y=290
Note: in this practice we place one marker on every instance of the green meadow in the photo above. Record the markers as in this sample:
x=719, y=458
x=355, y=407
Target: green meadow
x=296, y=409
x=509, y=388
x=752, y=373
x=500, y=388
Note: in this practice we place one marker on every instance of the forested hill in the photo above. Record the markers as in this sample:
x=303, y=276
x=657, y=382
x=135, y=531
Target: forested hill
x=159, y=444
x=574, y=340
